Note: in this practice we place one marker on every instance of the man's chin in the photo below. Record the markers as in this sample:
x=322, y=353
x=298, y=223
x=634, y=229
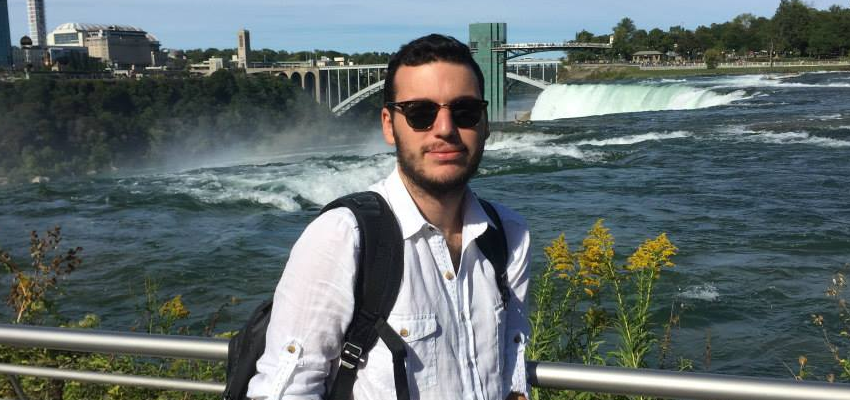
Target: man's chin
x=444, y=183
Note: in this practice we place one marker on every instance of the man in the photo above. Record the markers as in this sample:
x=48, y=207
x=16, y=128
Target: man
x=461, y=341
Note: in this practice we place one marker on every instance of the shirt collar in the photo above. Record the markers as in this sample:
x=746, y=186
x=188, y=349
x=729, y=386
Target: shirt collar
x=411, y=221
x=409, y=218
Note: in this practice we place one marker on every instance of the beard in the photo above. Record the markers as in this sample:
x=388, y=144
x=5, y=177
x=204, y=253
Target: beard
x=435, y=187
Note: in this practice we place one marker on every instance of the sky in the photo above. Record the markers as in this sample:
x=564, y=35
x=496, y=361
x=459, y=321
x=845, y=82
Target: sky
x=380, y=25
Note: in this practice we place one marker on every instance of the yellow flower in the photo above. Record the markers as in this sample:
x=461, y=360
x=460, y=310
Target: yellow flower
x=652, y=254
x=559, y=256
x=598, y=250
x=174, y=308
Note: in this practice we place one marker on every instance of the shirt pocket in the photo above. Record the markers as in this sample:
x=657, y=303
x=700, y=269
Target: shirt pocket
x=419, y=333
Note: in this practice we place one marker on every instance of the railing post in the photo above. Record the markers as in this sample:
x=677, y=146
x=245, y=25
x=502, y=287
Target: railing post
x=16, y=386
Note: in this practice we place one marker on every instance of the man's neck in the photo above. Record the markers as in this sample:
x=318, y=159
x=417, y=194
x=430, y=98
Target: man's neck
x=443, y=211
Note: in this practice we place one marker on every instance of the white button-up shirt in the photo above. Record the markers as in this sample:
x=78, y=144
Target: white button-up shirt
x=462, y=343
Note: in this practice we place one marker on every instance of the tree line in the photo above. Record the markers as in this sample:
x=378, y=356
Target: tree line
x=75, y=127
x=795, y=30
x=269, y=55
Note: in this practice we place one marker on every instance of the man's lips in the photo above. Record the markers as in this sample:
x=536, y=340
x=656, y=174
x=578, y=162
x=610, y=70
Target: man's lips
x=446, y=153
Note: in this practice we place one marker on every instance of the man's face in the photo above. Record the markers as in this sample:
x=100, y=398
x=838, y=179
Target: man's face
x=442, y=158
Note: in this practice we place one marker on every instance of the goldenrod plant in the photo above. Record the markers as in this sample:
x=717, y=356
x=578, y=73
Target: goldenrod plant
x=30, y=300
x=29, y=294
x=570, y=321
x=835, y=329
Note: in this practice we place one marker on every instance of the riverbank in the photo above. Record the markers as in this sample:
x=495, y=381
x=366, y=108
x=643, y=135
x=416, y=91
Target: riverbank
x=618, y=72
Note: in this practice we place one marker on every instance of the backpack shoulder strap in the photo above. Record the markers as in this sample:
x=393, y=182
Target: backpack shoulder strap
x=494, y=246
x=379, y=273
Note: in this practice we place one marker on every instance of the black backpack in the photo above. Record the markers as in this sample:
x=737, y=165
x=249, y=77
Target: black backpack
x=377, y=284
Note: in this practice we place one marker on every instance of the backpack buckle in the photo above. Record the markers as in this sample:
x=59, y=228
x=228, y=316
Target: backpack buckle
x=350, y=357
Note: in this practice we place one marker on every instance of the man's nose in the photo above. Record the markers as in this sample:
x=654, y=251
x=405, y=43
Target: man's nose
x=443, y=124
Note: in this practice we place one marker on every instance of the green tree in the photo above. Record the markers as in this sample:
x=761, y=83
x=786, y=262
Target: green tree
x=826, y=36
x=792, y=22
x=623, y=36
x=712, y=58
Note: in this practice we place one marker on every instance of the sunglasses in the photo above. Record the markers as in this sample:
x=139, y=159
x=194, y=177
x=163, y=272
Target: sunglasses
x=421, y=114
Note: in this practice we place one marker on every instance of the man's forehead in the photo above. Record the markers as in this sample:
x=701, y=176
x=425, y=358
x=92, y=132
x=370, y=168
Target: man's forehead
x=437, y=77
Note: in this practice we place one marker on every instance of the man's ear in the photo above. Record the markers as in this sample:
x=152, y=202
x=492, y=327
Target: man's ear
x=387, y=126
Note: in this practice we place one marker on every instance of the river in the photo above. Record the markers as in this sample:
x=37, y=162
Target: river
x=748, y=175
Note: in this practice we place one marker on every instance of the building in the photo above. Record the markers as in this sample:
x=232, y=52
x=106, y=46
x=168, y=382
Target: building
x=207, y=67
x=118, y=46
x=244, y=49
x=5, y=36
x=35, y=14
x=63, y=58
x=27, y=56
x=647, y=57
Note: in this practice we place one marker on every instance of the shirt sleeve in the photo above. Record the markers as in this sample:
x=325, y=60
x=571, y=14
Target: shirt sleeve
x=518, y=328
x=313, y=305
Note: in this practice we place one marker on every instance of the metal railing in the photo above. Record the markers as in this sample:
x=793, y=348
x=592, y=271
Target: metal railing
x=666, y=384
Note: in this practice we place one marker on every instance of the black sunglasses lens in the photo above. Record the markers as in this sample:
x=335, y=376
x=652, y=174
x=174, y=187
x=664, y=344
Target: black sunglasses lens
x=421, y=114
x=466, y=114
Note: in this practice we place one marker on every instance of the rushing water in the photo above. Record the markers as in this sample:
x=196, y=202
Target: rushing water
x=748, y=175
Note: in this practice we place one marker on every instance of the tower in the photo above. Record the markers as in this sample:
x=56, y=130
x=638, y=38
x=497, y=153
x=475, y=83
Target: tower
x=38, y=31
x=244, y=48
x=5, y=36
x=483, y=38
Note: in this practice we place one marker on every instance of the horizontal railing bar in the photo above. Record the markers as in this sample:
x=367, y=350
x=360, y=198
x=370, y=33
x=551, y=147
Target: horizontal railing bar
x=679, y=385
x=113, y=379
x=578, y=377
x=94, y=341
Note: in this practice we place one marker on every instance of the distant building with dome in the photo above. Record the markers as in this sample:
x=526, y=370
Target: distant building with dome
x=119, y=46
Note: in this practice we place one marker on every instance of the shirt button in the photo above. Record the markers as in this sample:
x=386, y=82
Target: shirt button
x=404, y=332
x=449, y=275
x=290, y=349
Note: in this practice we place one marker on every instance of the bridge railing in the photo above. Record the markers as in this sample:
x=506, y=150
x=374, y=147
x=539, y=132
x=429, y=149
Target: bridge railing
x=282, y=64
x=562, y=376
x=520, y=46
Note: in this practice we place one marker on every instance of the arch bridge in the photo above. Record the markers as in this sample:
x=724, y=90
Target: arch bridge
x=342, y=87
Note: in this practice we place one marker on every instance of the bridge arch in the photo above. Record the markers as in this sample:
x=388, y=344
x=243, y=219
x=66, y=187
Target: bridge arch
x=529, y=81
x=296, y=79
x=309, y=82
x=376, y=87
x=355, y=98
x=282, y=75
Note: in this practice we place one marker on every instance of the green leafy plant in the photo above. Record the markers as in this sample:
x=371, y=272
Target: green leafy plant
x=570, y=321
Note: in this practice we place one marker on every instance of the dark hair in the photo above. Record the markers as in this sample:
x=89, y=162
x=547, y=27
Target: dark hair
x=428, y=49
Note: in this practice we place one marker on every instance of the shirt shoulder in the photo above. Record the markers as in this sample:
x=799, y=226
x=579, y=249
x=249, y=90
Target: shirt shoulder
x=332, y=226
